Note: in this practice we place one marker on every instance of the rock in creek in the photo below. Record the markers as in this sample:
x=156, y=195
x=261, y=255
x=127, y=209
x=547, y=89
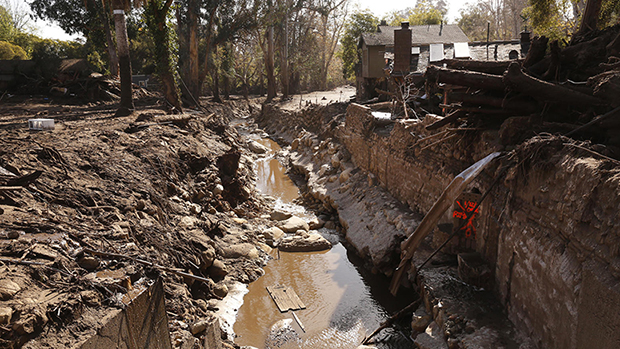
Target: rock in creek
x=281, y=334
x=279, y=215
x=293, y=224
x=257, y=147
x=304, y=242
x=272, y=235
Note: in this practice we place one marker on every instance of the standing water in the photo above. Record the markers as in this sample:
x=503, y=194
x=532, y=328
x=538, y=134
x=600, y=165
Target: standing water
x=340, y=307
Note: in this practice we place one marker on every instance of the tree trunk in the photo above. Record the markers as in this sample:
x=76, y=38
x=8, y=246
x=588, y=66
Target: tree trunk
x=464, y=78
x=159, y=31
x=589, y=20
x=215, y=74
x=544, y=91
x=113, y=57
x=285, y=83
x=193, y=83
x=271, y=79
x=126, y=106
x=208, y=40
x=324, y=63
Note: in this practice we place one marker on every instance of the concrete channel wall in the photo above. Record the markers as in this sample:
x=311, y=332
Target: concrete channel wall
x=550, y=229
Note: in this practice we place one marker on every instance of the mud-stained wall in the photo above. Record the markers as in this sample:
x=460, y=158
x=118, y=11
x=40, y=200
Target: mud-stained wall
x=550, y=228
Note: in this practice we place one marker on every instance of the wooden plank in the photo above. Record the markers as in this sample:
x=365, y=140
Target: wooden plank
x=299, y=322
x=295, y=298
x=285, y=298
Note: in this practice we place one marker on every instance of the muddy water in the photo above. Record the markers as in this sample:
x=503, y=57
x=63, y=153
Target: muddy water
x=340, y=308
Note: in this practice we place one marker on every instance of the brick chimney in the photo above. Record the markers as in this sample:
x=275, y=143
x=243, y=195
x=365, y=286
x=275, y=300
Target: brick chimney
x=402, y=49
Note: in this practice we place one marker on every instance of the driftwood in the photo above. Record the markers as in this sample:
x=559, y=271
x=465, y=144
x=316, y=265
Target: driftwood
x=516, y=104
x=23, y=180
x=465, y=78
x=544, y=91
x=381, y=106
x=140, y=261
x=387, y=323
x=450, y=118
x=609, y=115
x=11, y=188
x=488, y=67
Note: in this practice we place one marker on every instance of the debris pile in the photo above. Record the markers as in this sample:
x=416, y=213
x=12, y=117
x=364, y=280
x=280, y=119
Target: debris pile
x=570, y=91
x=90, y=210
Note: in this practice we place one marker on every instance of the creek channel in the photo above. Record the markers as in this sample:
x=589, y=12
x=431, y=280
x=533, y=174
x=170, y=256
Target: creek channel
x=344, y=302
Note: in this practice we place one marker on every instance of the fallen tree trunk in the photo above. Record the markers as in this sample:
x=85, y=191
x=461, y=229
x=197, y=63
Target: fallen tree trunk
x=465, y=78
x=453, y=117
x=487, y=67
x=540, y=90
x=520, y=105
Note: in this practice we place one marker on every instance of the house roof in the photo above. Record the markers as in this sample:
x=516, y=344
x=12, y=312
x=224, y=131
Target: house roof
x=420, y=35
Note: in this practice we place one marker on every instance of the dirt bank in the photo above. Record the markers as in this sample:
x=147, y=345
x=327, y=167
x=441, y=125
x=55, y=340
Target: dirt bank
x=93, y=208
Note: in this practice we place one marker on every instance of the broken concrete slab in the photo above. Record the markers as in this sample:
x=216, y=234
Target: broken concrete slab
x=143, y=322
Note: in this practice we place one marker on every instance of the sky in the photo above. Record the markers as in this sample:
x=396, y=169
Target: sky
x=379, y=8
x=43, y=28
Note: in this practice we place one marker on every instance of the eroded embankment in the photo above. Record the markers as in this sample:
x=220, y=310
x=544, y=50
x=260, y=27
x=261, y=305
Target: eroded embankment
x=115, y=204
x=548, y=231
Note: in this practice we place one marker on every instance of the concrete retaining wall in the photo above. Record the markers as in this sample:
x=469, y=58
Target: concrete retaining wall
x=550, y=229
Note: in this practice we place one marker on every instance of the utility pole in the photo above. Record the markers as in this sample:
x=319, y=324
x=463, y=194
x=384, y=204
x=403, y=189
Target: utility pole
x=488, y=32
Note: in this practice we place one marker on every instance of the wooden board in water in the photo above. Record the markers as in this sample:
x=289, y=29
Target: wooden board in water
x=285, y=298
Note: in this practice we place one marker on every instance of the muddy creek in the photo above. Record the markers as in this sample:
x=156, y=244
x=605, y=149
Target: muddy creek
x=341, y=306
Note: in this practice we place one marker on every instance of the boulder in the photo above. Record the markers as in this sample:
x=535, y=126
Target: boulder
x=335, y=161
x=207, y=257
x=220, y=290
x=272, y=235
x=293, y=224
x=316, y=223
x=432, y=338
x=188, y=222
x=295, y=144
x=218, y=189
x=304, y=242
x=330, y=225
x=8, y=289
x=257, y=148
x=279, y=215
x=420, y=320
x=345, y=175
x=245, y=250
x=5, y=315
x=218, y=269
x=88, y=262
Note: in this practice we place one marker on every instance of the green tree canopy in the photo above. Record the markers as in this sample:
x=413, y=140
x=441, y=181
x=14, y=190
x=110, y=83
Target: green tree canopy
x=359, y=22
x=424, y=12
x=9, y=51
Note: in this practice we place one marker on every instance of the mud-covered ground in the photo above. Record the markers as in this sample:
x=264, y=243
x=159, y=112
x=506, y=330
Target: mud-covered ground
x=81, y=203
